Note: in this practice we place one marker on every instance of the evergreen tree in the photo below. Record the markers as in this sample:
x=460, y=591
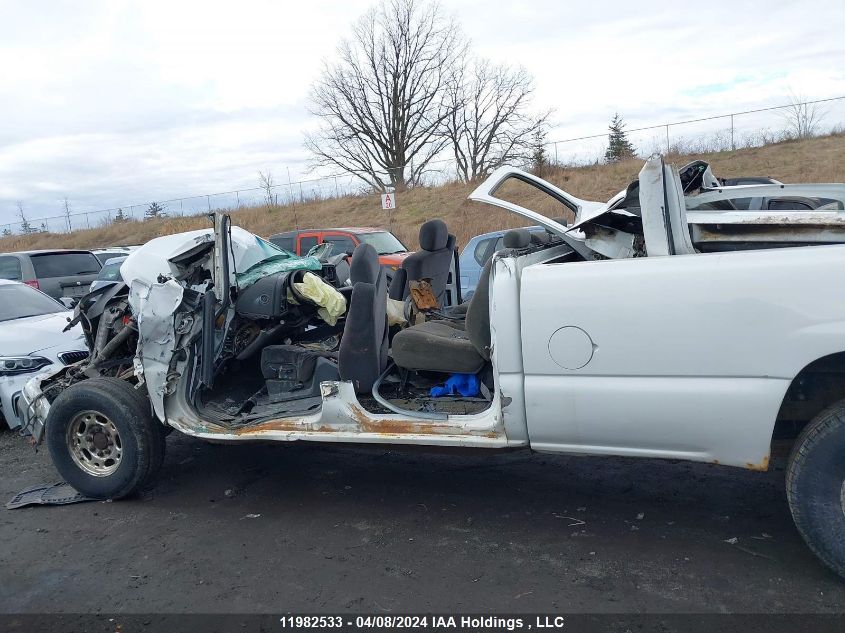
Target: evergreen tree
x=44, y=228
x=539, y=157
x=26, y=227
x=7, y=232
x=120, y=217
x=618, y=145
x=155, y=210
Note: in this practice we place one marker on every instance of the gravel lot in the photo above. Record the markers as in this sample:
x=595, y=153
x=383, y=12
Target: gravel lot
x=272, y=528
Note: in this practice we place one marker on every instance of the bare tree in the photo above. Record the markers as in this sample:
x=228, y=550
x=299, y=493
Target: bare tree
x=384, y=104
x=67, y=214
x=489, y=123
x=266, y=182
x=802, y=118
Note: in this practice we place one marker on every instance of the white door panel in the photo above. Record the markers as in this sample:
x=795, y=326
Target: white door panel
x=725, y=420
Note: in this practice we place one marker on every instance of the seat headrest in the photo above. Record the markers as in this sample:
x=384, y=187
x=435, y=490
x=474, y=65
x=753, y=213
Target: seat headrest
x=540, y=239
x=364, y=265
x=516, y=238
x=434, y=235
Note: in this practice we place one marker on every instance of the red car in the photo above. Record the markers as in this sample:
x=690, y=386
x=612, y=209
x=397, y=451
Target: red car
x=390, y=250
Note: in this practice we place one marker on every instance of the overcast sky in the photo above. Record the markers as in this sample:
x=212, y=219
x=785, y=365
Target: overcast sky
x=112, y=103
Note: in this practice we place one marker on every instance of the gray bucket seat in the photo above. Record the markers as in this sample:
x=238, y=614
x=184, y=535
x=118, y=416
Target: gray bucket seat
x=363, y=349
x=455, y=347
x=433, y=261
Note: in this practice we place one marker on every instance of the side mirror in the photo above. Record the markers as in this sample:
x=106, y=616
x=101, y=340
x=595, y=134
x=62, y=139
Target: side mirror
x=68, y=302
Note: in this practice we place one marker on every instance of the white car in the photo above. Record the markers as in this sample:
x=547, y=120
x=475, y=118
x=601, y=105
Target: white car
x=31, y=340
x=618, y=335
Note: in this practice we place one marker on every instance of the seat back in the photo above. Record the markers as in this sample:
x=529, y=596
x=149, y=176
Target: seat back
x=363, y=349
x=477, y=322
x=433, y=261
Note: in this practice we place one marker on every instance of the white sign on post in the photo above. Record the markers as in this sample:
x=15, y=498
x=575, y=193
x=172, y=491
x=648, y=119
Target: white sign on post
x=388, y=201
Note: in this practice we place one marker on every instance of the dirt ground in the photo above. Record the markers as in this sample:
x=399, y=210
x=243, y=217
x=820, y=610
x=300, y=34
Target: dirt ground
x=271, y=528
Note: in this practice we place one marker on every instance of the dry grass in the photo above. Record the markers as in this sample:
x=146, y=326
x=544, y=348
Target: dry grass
x=812, y=160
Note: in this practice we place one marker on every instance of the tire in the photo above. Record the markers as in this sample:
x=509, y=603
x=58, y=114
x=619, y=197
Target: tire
x=815, y=486
x=108, y=414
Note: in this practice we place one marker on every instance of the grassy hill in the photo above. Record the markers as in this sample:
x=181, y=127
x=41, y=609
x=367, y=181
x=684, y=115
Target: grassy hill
x=811, y=160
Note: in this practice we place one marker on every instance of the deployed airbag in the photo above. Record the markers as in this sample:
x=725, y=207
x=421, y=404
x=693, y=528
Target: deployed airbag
x=332, y=304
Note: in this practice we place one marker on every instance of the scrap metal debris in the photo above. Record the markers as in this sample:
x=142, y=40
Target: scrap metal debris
x=575, y=522
x=57, y=494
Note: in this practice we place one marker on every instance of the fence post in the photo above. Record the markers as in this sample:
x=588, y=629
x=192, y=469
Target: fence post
x=667, y=138
x=556, y=161
x=238, y=198
x=87, y=221
x=733, y=145
x=336, y=188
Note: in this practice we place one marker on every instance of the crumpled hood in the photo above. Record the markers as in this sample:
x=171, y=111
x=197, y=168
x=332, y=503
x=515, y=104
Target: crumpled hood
x=35, y=334
x=153, y=258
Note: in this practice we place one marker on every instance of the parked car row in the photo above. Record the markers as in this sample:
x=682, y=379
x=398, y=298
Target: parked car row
x=32, y=339
x=59, y=273
x=38, y=289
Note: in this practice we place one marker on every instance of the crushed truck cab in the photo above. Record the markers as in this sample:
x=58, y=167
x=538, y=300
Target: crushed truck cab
x=643, y=329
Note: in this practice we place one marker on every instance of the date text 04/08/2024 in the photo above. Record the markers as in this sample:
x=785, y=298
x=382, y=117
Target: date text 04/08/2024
x=422, y=622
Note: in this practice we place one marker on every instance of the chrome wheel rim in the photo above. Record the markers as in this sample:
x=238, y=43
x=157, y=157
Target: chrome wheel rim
x=94, y=443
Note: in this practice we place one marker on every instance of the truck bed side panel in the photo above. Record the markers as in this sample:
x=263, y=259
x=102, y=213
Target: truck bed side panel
x=683, y=356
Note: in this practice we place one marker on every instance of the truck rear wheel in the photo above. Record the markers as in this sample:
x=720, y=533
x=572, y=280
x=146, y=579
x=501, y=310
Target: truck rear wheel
x=815, y=486
x=102, y=438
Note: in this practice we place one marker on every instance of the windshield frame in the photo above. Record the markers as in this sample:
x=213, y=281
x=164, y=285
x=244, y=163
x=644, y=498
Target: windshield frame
x=45, y=264
x=110, y=267
x=363, y=238
x=28, y=291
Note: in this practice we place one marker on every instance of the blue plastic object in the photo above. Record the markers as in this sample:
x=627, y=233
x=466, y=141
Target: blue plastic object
x=458, y=384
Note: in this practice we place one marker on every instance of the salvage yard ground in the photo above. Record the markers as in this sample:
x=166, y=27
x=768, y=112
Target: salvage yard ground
x=269, y=528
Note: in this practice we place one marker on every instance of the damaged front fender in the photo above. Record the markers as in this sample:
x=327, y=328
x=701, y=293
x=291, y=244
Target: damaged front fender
x=155, y=310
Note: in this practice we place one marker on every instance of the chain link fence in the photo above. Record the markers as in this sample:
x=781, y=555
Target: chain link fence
x=750, y=128
x=724, y=132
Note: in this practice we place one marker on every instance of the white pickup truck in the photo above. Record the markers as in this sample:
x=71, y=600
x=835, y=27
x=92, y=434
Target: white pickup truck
x=613, y=336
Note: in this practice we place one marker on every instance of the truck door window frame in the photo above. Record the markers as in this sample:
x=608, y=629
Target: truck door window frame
x=300, y=247
x=337, y=241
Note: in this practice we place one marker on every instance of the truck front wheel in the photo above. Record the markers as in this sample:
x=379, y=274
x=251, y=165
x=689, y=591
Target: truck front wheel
x=102, y=438
x=815, y=486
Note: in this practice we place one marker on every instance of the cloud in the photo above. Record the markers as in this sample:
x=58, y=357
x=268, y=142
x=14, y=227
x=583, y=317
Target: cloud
x=116, y=102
